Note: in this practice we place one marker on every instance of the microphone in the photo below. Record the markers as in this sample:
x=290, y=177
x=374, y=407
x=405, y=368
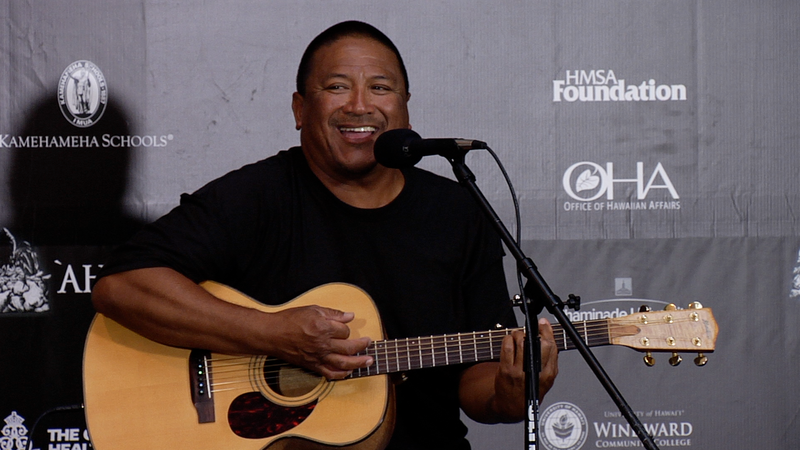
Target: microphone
x=404, y=148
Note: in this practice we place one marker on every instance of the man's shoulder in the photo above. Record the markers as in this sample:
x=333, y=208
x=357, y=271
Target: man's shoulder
x=432, y=184
x=275, y=169
x=428, y=178
x=281, y=161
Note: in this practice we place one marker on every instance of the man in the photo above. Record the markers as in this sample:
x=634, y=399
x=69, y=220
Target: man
x=328, y=212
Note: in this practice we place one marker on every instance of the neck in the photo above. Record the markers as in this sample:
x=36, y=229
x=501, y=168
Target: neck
x=374, y=189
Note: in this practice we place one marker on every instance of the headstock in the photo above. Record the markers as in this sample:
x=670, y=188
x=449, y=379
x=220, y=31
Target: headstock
x=672, y=330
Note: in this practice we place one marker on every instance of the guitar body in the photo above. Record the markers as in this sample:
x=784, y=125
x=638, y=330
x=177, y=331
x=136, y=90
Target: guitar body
x=138, y=393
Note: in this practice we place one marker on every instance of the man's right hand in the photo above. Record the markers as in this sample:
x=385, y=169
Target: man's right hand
x=316, y=338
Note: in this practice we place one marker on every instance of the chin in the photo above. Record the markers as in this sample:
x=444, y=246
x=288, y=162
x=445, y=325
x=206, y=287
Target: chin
x=360, y=168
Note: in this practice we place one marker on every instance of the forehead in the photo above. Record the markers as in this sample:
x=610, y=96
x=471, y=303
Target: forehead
x=355, y=52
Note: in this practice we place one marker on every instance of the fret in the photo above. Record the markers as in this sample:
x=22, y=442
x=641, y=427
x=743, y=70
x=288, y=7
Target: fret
x=564, y=339
x=378, y=357
x=417, y=353
x=418, y=346
x=370, y=368
x=374, y=360
x=386, y=346
x=426, y=352
x=408, y=355
x=452, y=348
x=460, y=353
x=475, y=346
x=387, y=351
x=585, y=335
x=397, y=356
x=439, y=356
x=446, y=351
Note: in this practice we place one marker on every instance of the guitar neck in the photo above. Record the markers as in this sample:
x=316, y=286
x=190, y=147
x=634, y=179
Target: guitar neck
x=400, y=355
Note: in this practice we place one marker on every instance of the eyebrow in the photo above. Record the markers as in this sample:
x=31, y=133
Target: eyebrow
x=373, y=77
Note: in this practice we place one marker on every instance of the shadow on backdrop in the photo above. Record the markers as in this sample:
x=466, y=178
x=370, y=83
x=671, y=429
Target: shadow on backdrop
x=67, y=216
x=71, y=196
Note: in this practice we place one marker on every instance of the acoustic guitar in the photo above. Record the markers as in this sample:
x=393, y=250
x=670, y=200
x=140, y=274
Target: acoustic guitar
x=139, y=394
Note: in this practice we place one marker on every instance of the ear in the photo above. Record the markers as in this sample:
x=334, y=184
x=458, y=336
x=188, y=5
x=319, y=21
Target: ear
x=408, y=97
x=297, y=110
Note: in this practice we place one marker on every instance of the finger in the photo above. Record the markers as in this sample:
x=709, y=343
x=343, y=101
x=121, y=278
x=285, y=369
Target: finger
x=338, y=330
x=331, y=373
x=546, y=330
x=548, y=342
x=349, y=347
x=519, y=348
x=336, y=315
x=340, y=366
x=507, y=351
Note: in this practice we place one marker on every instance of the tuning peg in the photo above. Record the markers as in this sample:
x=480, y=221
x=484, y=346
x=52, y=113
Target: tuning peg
x=676, y=359
x=649, y=361
x=670, y=307
x=695, y=305
x=574, y=302
x=701, y=360
x=644, y=308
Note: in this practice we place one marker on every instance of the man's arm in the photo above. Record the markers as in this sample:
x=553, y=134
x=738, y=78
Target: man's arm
x=165, y=306
x=494, y=392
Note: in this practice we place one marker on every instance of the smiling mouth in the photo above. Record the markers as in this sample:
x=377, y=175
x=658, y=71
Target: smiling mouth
x=357, y=133
x=357, y=129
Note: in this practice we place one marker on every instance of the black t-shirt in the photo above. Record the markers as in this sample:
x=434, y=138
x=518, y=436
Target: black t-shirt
x=429, y=260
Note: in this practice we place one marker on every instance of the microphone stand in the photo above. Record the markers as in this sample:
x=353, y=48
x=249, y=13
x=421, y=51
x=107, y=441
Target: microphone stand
x=537, y=288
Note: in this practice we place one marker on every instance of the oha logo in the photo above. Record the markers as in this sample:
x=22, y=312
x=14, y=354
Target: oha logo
x=587, y=181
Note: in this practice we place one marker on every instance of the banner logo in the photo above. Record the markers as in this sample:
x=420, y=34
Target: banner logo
x=14, y=435
x=587, y=182
x=563, y=427
x=795, y=290
x=82, y=93
x=23, y=286
x=603, y=86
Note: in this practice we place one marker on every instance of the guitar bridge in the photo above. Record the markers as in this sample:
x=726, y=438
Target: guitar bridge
x=200, y=381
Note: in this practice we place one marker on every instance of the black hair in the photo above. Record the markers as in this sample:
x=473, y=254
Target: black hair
x=333, y=34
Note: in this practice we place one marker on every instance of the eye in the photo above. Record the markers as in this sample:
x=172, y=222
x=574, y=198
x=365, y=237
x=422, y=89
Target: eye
x=381, y=88
x=336, y=87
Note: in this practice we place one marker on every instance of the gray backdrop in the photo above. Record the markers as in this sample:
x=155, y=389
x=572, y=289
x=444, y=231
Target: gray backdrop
x=652, y=144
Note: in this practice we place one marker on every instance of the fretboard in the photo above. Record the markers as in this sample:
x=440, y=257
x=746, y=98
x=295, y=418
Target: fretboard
x=400, y=355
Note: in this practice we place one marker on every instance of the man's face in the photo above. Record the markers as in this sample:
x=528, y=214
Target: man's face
x=355, y=92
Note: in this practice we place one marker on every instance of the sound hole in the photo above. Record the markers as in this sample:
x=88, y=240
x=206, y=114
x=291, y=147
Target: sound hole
x=289, y=381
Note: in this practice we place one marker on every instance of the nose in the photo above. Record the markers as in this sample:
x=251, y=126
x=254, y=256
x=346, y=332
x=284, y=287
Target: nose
x=359, y=102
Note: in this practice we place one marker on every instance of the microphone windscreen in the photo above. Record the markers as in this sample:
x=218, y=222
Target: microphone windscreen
x=392, y=148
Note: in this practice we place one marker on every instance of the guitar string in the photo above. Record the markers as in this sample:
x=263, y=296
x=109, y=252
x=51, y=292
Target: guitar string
x=480, y=346
x=481, y=339
x=389, y=360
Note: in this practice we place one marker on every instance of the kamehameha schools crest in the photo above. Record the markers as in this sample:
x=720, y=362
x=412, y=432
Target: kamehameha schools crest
x=82, y=93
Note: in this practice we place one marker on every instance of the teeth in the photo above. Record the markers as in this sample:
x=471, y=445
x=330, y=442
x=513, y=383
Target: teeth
x=359, y=129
